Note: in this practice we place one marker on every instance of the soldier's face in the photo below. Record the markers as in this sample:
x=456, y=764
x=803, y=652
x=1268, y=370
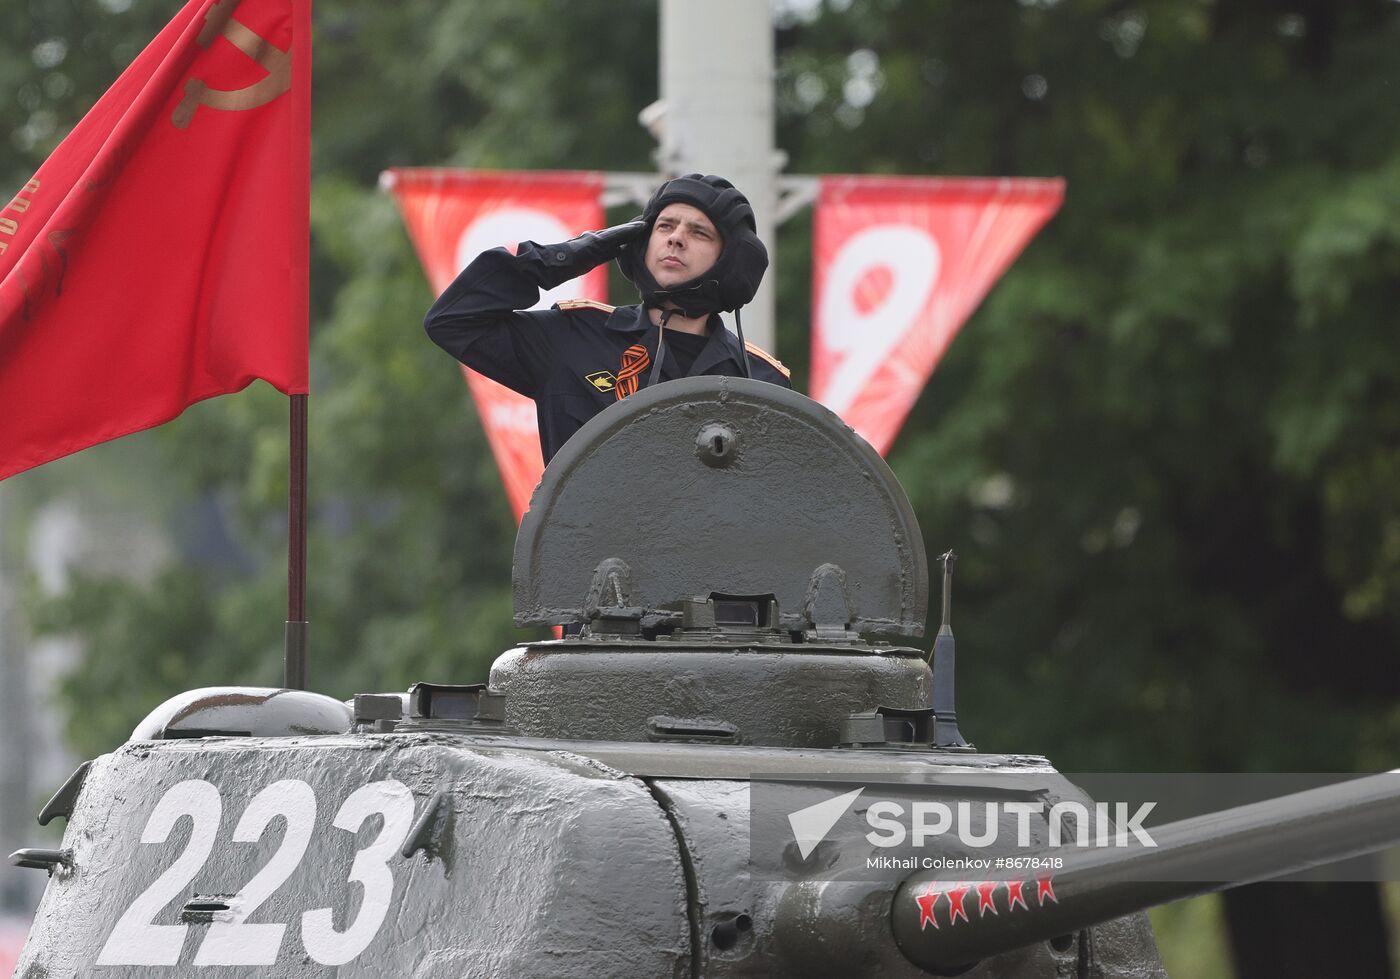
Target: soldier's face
x=684, y=245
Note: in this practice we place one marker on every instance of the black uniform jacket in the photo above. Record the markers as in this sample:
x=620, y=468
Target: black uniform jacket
x=574, y=359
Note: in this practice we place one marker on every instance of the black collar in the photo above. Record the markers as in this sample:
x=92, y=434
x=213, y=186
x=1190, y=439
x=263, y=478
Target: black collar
x=721, y=346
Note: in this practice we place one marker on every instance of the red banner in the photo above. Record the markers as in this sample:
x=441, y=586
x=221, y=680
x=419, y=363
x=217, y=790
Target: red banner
x=159, y=256
x=12, y=932
x=900, y=263
x=455, y=215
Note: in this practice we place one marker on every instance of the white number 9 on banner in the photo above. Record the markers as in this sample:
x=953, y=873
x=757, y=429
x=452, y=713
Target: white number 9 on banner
x=863, y=339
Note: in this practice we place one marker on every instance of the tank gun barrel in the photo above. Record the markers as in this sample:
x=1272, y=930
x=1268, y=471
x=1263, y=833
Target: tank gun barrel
x=1192, y=856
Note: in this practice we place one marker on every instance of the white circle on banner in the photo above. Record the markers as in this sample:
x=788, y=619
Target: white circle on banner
x=865, y=338
x=514, y=415
x=508, y=226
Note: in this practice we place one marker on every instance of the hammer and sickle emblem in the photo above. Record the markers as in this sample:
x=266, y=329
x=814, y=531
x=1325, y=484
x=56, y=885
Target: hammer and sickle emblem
x=218, y=20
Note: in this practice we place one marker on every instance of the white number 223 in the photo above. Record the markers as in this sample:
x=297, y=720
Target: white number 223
x=231, y=940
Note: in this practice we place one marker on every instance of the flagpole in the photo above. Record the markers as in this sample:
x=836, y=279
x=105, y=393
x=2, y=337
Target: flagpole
x=295, y=648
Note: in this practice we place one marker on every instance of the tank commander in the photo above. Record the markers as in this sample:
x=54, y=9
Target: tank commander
x=693, y=253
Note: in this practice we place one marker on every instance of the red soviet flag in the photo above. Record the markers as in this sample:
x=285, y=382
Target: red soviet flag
x=159, y=256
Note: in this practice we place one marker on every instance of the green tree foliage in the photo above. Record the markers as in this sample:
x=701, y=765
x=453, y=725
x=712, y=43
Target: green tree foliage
x=1158, y=444
x=1166, y=445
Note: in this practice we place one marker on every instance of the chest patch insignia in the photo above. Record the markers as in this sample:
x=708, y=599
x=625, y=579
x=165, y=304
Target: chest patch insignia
x=602, y=380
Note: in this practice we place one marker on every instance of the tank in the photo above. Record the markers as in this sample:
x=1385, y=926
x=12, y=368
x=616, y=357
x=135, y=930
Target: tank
x=683, y=786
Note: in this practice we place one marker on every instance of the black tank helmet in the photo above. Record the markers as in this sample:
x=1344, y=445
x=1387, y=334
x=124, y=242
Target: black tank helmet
x=733, y=280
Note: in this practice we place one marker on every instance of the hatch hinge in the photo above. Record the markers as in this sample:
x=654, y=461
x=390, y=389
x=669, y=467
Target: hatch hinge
x=827, y=606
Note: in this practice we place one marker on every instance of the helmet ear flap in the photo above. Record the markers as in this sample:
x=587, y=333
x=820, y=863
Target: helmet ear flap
x=746, y=260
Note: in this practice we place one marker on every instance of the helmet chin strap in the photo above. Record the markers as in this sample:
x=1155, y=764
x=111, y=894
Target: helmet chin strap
x=694, y=299
x=743, y=347
x=666, y=315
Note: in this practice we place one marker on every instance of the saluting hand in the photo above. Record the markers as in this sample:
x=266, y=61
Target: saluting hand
x=555, y=264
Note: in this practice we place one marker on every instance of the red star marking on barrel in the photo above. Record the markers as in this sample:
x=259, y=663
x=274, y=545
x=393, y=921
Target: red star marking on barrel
x=926, y=901
x=1014, y=895
x=985, y=892
x=955, y=903
x=1043, y=889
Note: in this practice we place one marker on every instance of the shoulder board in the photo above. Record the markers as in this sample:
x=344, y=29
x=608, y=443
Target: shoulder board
x=584, y=304
x=772, y=361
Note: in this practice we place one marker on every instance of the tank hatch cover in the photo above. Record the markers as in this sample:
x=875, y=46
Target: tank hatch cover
x=721, y=485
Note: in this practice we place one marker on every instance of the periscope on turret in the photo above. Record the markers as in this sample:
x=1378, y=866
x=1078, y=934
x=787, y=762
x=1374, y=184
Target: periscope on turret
x=737, y=765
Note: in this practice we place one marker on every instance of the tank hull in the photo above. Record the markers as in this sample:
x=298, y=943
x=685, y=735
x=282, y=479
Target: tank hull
x=437, y=855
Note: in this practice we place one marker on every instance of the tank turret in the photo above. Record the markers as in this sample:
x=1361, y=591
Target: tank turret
x=684, y=785
x=722, y=548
